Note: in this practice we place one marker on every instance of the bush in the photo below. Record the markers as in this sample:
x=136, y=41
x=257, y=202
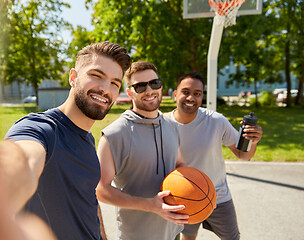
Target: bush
x=265, y=98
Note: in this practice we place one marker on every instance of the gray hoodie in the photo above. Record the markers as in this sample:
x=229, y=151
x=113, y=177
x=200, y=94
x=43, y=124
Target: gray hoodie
x=144, y=152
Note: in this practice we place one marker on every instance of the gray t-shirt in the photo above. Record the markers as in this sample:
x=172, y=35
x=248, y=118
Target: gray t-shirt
x=201, y=146
x=144, y=152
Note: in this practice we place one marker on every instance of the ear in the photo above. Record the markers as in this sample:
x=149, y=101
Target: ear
x=174, y=94
x=129, y=92
x=72, y=77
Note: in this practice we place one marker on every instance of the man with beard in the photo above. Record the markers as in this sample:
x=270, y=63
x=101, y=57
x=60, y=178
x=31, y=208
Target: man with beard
x=61, y=167
x=136, y=152
x=202, y=133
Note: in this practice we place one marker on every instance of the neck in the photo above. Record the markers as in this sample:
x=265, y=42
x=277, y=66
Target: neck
x=146, y=114
x=182, y=117
x=76, y=116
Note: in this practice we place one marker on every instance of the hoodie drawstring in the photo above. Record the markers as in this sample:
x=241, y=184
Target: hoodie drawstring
x=162, y=150
x=161, y=142
x=156, y=148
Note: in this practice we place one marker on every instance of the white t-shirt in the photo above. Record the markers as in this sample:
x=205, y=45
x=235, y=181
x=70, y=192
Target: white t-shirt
x=201, y=146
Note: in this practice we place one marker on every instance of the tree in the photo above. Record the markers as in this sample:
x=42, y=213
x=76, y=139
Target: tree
x=297, y=68
x=250, y=43
x=35, y=48
x=287, y=36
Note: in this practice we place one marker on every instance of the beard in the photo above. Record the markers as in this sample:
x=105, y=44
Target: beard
x=149, y=107
x=91, y=110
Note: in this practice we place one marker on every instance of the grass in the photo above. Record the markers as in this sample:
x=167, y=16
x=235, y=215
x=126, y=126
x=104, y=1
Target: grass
x=283, y=138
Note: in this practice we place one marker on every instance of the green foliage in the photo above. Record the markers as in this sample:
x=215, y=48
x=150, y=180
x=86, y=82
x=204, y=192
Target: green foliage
x=265, y=98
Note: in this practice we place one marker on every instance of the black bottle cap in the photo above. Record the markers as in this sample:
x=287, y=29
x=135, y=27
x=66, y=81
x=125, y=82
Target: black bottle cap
x=250, y=119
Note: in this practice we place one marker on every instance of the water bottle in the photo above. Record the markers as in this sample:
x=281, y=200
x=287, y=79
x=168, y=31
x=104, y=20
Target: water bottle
x=243, y=144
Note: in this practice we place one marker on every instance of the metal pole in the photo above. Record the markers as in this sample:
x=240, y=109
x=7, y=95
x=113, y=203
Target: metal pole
x=214, y=46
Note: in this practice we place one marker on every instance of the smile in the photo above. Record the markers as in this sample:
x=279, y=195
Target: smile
x=100, y=99
x=189, y=104
x=150, y=98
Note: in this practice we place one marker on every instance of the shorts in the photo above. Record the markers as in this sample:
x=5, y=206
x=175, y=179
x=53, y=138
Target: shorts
x=222, y=222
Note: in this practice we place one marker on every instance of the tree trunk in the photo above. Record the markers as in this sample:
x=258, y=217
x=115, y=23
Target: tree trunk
x=287, y=60
x=256, y=92
x=299, y=98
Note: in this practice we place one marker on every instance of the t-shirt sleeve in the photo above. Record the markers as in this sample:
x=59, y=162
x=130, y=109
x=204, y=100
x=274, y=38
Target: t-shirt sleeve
x=230, y=135
x=173, y=125
x=35, y=127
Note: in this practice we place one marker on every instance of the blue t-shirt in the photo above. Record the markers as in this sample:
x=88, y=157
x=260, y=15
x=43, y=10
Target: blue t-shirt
x=65, y=197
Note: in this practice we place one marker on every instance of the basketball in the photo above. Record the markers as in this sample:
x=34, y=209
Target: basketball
x=190, y=187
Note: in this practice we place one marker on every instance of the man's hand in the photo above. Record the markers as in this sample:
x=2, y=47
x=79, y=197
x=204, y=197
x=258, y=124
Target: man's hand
x=166, y=211
x=253, y=133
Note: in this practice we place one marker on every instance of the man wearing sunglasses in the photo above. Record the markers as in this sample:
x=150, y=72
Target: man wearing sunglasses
x=136, y=152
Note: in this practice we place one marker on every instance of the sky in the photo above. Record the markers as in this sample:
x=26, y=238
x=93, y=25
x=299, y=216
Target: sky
x=77, y=15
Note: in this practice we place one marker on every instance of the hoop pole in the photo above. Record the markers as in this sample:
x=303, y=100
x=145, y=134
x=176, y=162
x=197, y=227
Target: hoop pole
x=214, y=46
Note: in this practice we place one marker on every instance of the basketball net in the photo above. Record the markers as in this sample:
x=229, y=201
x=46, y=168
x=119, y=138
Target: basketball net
x=225, y=11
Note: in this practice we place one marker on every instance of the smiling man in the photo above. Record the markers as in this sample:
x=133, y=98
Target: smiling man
x=202, y=133
x=58, y=150
x=136, y=152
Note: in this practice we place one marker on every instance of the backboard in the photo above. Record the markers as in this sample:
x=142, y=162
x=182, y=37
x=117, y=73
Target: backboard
x=201, y=8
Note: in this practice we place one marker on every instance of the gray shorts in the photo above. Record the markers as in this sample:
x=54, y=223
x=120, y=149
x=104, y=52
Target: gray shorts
x=222, y=222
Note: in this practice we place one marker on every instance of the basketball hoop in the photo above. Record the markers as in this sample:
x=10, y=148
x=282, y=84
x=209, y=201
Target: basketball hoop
x=225, y=11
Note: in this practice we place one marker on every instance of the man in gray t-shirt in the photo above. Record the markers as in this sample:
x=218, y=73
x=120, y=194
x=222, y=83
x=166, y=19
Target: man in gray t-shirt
x=136, y=152
x=202, y=133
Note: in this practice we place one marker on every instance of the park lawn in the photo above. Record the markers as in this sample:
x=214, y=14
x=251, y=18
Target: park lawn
x=8, y=115
x=283, y=137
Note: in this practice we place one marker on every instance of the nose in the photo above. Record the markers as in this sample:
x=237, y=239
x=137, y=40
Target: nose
x=149, y=89
x=105, y=86
x=190, y=97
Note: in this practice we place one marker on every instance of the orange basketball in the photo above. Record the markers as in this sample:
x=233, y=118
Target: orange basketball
x=190, y=187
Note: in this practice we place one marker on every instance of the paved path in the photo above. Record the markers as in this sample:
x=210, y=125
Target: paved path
x=269, y=200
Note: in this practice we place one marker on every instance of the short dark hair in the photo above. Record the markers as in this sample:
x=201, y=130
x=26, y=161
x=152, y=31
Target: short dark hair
x=137, y=67
x=194, y=75
x=112, y=50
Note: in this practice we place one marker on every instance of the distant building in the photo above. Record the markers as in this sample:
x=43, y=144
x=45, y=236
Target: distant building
x=51, y=97
x=226, y=89
x=17, y=91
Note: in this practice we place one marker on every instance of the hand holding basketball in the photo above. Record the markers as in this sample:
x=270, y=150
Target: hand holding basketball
x=192, y=188
x=168, y=212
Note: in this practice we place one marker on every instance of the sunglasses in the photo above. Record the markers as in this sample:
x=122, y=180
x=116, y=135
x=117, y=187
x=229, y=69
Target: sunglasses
x=142, y=86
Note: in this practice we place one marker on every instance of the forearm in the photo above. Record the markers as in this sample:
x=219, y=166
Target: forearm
x=248, y=155
x=16, y=176
x=111, y=195
x=114, y=196
x=21, y=164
